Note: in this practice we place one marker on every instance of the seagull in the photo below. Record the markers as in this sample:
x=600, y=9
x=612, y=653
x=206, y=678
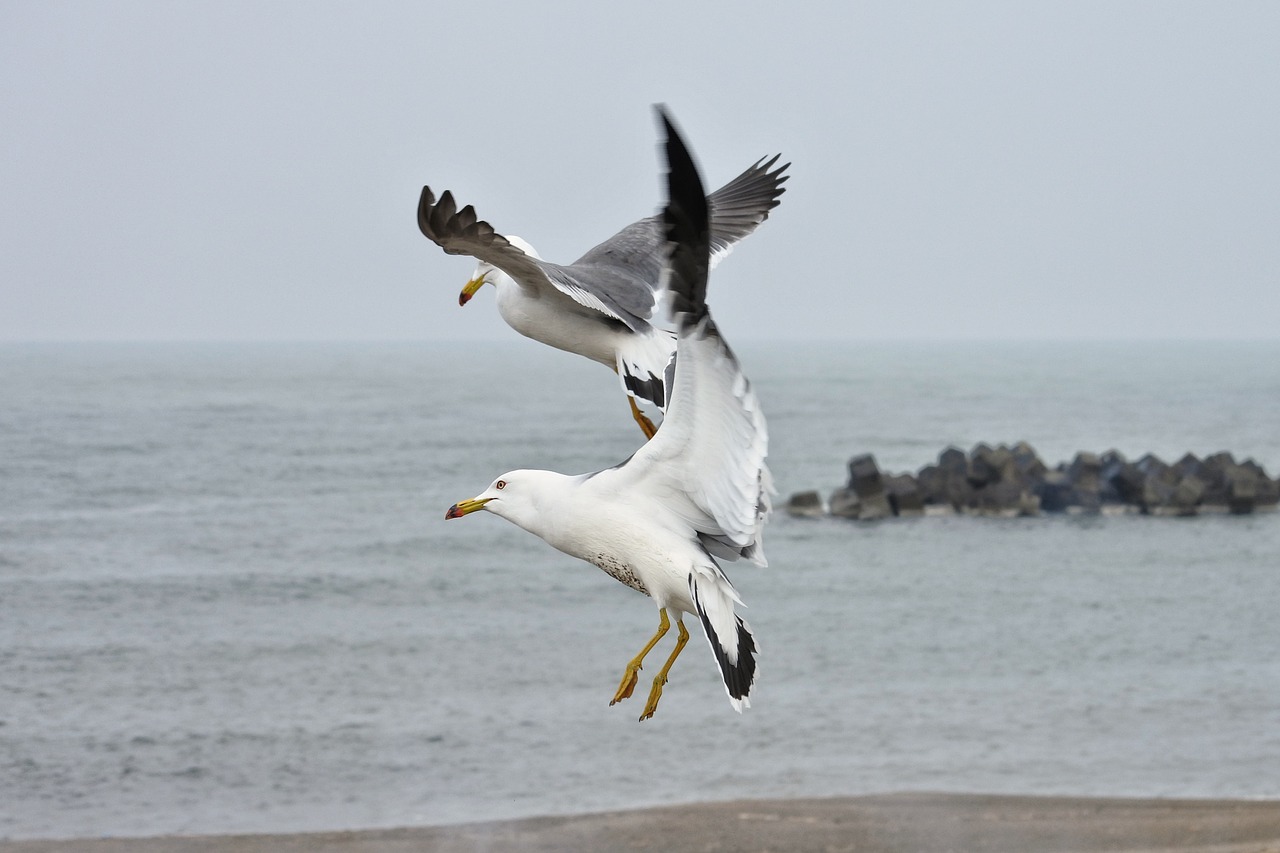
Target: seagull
x=697, y=491
x=603, y=304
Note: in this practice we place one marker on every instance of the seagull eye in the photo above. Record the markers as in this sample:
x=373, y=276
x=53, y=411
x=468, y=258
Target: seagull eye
x=501, y=484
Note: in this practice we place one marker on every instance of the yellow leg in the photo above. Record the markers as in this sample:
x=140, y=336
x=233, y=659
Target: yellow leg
x=646, y=425
x=629, y=678
x=661, y=678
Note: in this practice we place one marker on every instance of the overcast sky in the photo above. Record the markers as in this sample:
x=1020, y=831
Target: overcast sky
x=245, y=171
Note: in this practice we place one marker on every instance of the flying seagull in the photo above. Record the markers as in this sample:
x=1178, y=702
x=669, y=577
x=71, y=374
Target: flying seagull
x=697, y=491
x=603, y=304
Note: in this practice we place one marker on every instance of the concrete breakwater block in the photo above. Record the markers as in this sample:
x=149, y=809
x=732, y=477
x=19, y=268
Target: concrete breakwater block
x=1009, y=481
x=806, y=505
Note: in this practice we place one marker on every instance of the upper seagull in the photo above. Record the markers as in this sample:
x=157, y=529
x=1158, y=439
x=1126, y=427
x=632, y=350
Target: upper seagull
x=697, y=491
x=603, y=305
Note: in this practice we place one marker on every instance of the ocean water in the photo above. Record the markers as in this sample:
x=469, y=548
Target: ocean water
x=230, y=602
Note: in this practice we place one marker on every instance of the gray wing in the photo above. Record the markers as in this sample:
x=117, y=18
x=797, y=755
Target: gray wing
x=736, y=209
x=460, y=232
x=619, y=277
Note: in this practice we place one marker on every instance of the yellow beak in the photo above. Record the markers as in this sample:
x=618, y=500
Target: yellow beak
x=462, y=508
x=470, y=290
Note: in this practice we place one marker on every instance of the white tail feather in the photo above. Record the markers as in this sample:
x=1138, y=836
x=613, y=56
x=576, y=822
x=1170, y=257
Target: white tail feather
x=730, y=638
x=642, y=365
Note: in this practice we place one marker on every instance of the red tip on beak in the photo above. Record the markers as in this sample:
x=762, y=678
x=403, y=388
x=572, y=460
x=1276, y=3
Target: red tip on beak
x=470, y=290
x=454, y=512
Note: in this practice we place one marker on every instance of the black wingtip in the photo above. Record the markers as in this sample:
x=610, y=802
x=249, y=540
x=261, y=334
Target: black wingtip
x=766, y=165
x=687, y=223
x=425, y=201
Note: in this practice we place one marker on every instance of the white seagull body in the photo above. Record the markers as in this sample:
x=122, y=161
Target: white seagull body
x=697, y=491
x=601, y=306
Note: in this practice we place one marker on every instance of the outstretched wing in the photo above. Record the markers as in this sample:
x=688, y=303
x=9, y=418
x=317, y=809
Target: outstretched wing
x=619, y=277
x=708, y=458
x=736, y=209
x=710, y=450
x=460, y=232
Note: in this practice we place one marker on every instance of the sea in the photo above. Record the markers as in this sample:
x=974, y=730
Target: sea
x=230, y=601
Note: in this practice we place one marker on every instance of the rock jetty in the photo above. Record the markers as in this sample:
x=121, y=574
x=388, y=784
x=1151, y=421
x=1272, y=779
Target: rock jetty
x=1010, y=481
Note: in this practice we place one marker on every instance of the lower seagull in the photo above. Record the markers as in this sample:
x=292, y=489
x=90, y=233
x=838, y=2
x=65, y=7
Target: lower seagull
x=698, y=490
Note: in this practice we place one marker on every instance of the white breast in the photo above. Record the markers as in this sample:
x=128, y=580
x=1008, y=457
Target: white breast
x=554, y=319
x=631, y=548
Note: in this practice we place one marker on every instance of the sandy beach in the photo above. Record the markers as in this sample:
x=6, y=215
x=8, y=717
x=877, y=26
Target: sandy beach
x=921, y=822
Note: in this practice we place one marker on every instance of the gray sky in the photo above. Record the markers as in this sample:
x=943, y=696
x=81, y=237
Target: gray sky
x=236, y=171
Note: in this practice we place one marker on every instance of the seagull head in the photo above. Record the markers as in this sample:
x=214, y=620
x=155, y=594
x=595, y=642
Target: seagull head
x=505, y=495
x=487, y=273
x=530, y=499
